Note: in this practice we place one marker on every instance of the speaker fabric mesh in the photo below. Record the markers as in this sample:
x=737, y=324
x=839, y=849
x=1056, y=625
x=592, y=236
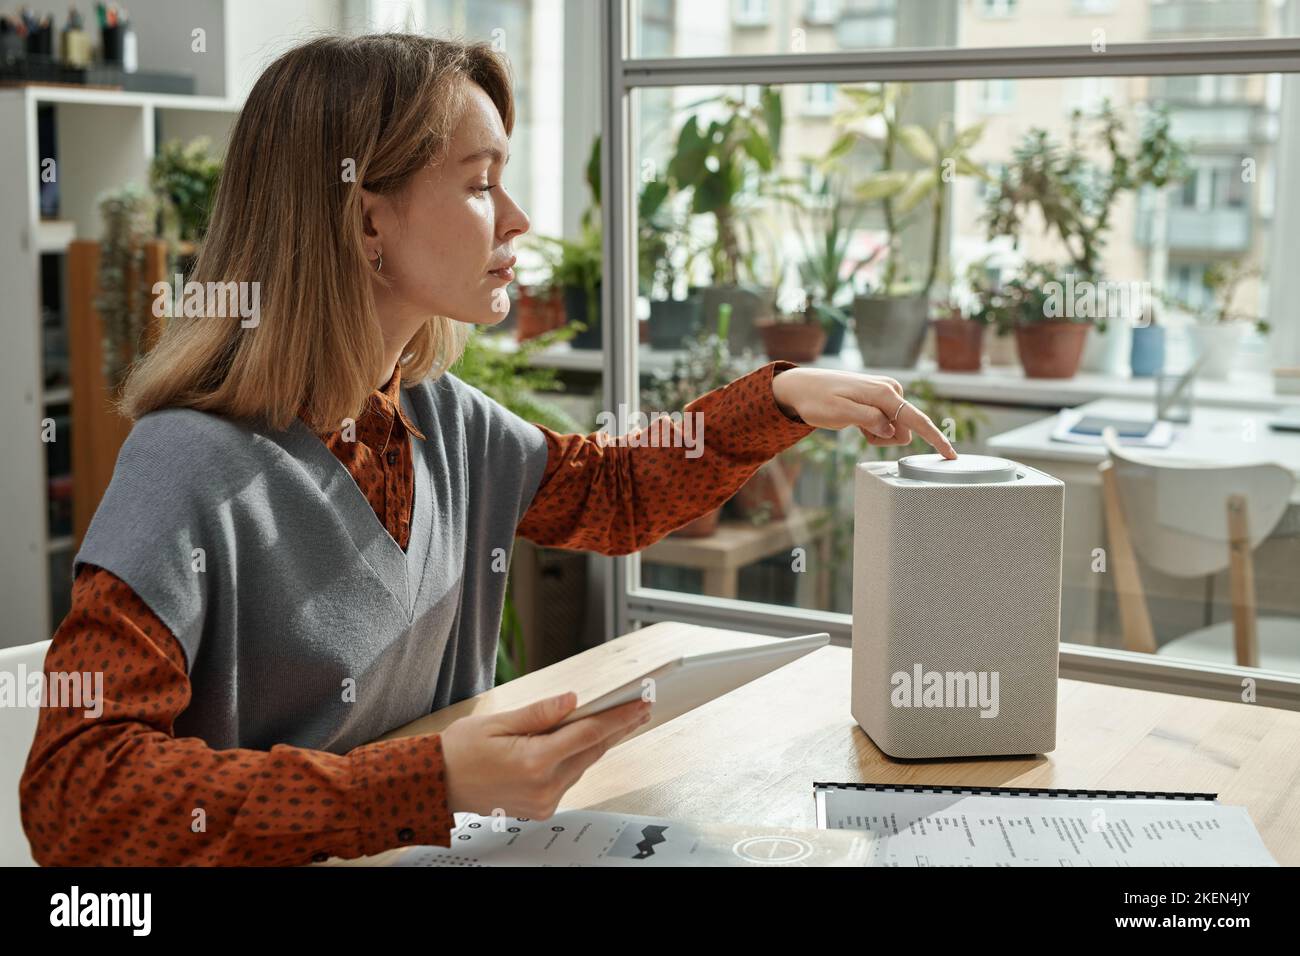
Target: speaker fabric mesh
x=959, y=579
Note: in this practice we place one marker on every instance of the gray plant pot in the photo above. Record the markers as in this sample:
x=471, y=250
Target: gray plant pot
x=672, y=321
x=748, y=305
x=890, y=329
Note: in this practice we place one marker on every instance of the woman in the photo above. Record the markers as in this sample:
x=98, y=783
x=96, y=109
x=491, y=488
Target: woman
x=305, y=538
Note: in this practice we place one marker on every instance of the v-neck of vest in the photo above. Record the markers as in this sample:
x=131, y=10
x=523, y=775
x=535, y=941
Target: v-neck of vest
x=401, y=572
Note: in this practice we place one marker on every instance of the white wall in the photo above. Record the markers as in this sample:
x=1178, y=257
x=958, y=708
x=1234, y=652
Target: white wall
x=164, y=36
x=257, y=31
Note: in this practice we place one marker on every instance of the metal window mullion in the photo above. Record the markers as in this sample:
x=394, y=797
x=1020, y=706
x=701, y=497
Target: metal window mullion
x=1271, y=55
x=618, y=221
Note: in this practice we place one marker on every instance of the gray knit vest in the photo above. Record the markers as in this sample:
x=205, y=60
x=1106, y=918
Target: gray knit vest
x=302, y=620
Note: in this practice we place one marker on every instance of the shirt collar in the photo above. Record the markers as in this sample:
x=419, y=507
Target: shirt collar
x=390, y=397
x=383, y=408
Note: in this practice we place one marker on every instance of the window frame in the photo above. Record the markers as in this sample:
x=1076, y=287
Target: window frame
x=624, y=74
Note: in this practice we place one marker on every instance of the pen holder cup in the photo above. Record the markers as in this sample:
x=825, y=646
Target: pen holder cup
x=111, y=44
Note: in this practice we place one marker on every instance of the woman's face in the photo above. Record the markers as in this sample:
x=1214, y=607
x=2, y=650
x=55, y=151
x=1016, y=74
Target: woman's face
x=456, y=223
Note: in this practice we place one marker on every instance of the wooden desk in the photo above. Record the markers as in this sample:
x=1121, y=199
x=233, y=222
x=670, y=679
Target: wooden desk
x=752, y=755
x=735, y=544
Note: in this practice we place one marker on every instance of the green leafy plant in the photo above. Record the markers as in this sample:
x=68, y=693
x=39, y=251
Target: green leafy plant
x=824, y=224
x=663, y=239
x=1074, y=195
x=951, y=309
x=184, y=178
x=716, y=165
x=1018, y=299
x=942, y=155
x=1223, y=280
x=511, y=377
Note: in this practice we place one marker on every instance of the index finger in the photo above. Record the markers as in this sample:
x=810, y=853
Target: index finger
x=920, y=422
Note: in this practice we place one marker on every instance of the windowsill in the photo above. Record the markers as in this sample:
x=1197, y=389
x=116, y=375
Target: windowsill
x=999, y=385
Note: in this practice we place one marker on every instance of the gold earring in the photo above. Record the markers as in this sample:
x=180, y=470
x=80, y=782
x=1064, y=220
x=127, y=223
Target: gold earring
x=379, y=267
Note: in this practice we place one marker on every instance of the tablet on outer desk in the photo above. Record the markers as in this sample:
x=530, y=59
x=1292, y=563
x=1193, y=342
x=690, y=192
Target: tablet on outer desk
x=687, y=682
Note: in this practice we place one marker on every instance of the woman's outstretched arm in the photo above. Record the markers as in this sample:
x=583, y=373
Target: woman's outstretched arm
x=620, y=498
x=119, y=788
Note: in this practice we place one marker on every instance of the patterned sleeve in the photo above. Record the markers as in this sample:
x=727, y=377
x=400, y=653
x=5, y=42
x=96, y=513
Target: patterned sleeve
x=112, y=785
x=617, y=498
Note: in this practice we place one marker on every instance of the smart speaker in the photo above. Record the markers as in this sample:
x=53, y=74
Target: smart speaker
x=956, y=606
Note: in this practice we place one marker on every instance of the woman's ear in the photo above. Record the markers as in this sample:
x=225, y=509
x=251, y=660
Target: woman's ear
x=376, y=213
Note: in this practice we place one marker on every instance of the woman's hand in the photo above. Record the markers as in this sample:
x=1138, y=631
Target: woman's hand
x=509, y=761
x=828, y=398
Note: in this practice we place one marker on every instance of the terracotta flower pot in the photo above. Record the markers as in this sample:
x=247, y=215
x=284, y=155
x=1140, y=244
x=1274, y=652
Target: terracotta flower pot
x=1051, y=349
x=792, y=341
x=959, y=344
x=701, y=527
x=538, y=313
x=770, y=490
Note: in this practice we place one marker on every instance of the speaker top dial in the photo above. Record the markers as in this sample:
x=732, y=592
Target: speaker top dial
x=964, y=469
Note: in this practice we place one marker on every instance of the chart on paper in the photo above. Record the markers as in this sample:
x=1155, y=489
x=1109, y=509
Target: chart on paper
x=919, y=827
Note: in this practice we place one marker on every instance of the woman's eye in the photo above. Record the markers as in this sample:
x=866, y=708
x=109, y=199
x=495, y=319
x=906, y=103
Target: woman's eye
x=484, y=189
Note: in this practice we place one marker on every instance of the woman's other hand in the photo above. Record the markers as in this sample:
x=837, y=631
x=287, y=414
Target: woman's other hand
x=518, y=762
x=828, y=398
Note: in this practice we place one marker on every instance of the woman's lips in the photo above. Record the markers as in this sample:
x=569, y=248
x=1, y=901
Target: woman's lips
x=507, y=274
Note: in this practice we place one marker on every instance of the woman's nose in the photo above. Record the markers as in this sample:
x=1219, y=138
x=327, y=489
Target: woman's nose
x=514, y=222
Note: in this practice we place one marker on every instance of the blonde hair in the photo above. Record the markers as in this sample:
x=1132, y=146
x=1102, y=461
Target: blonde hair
x=287, y=217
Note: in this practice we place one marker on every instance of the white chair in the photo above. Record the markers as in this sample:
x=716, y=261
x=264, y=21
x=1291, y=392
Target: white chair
x=17, y=728
x=1192, y=520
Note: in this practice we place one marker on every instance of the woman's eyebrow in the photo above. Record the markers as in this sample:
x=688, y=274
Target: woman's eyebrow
x=492, y=151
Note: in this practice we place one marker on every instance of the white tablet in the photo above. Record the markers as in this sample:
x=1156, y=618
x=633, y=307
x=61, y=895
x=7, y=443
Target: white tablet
x=687, y=682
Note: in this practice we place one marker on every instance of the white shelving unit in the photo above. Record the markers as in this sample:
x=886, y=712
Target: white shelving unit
x=104, y=139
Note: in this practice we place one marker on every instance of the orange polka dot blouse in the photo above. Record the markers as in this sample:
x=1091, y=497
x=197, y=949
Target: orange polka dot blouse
x=121, y=789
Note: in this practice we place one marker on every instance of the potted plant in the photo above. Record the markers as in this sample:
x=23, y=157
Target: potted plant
x=958, y=340
x=824, y=224
x=713, y=164
x=184, y=178
x=1219, y=327
x=794, y=336
x=664, y=239
x=575, y=267
x=891, y=320
x=1073, y=196
x=1049, y=345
